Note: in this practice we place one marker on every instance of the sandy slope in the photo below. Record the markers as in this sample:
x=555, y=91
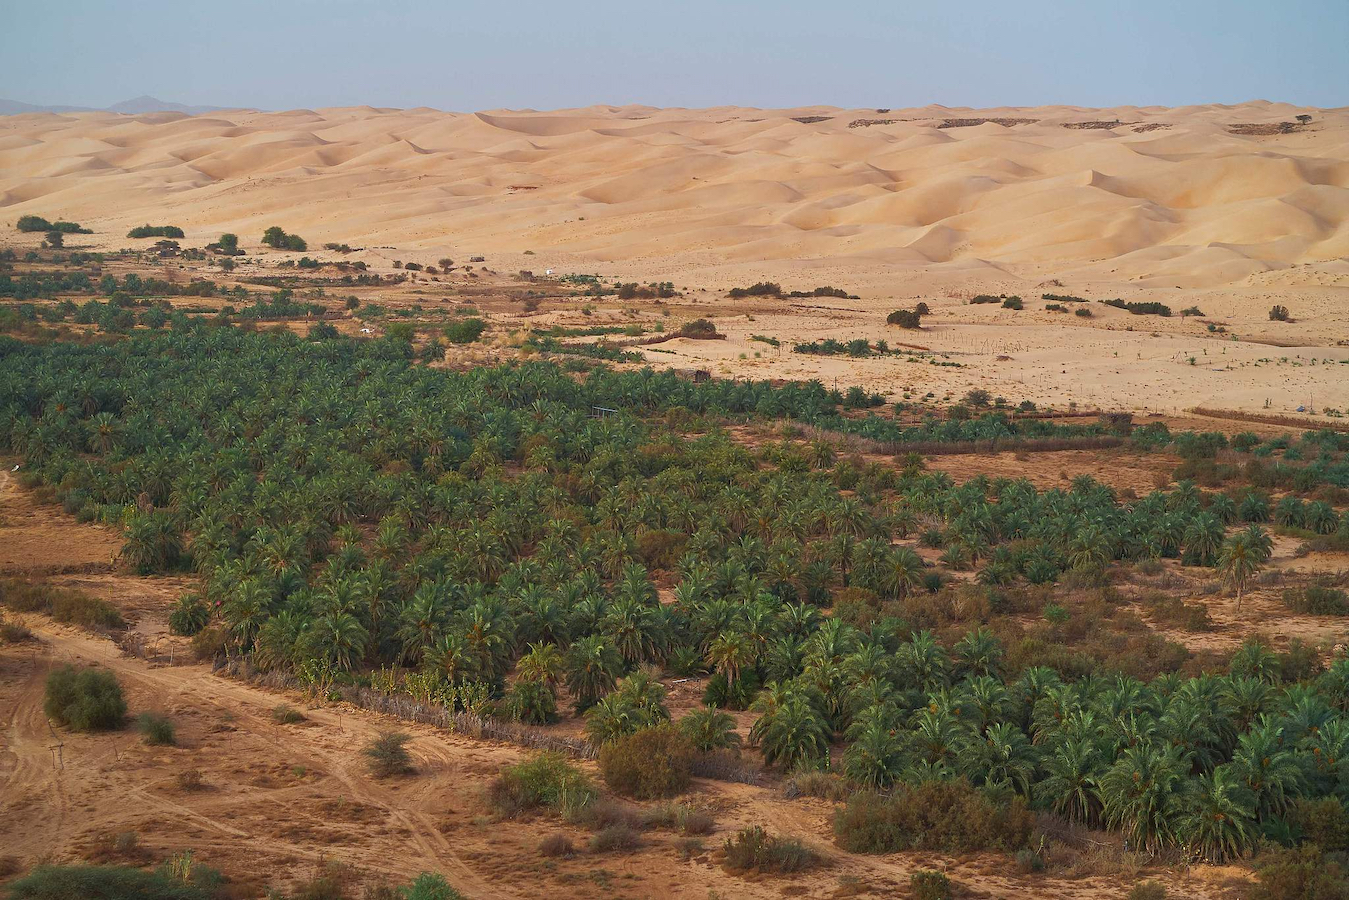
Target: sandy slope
x=1165, y=196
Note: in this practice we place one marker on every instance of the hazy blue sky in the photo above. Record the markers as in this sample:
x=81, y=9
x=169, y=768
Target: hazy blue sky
x=284, y=54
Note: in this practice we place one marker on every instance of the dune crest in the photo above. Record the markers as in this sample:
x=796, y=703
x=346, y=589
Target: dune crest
x=1132, y=189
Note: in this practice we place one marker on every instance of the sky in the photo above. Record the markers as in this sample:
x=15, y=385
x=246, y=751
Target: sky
x=289, y=54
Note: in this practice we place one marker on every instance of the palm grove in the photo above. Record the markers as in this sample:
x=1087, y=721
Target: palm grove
x=480, y=539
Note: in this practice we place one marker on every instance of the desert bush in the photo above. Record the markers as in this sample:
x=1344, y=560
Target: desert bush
x=1278, y=313
x=14, y=632
x=947, y=816
x=699, y=329
x=654, y=762
x=928, y=884
x=156, y=730
x=164, y=231
x=759, y=289
x=905, y=318
x=546, y=780
x=556, y=844
x=615, y=838
x=1318, y=600
x=63, y=605
x=1321, y=822
x=189, y=616
x=1147, y=890
x=1299, y=873
x=209, y=643
x=755, y=850
x=277, y=238
x=102, y=883
x=429, y=886
x=813, y=783
x=465, y=331
x=388, y=756
x=285, y=714
x=1012, y=303
x=191, y=780
x=679, y=817
x=85, y=699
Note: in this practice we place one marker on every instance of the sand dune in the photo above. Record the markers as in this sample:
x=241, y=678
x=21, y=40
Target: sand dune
x=1142, y=192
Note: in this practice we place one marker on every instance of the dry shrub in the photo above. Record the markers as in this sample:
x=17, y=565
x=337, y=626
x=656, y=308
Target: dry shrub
x=607, y=813
x=615, y=838
x=191, y=780
x=947, y=816
x=680, y=817
x=285, y=714
x=824, y=785
x=209, y=643
x=755, y=850
x=654, y=762
x=1147, y=890
x=556, y=844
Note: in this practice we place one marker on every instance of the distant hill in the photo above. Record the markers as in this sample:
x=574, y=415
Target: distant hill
x=136, y=106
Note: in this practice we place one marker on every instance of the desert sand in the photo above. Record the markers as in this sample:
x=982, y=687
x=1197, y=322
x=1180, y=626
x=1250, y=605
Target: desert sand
x=1220, y=207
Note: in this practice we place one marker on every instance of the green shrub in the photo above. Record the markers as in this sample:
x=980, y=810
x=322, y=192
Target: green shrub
x=102, y=883
x=905, y=318
x=85, y=699
x=651, y=763
x=63, y=605
x=156, y=730
x=926, y=884
x=387, y=755
x=430, y=886
x=546, y=780
x=755, y=850
x=465, y=331
x=164, y=231
x=946, y=816
x=189, y=616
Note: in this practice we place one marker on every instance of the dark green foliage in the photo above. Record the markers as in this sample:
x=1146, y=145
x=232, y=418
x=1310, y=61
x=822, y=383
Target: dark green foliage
x=945, y=816
x=388, y=756
x=759, y=289
x=905, y=318
x=755, y=850
x=156, y=730
x=699, y=329
x=85, y=699
x=465, y=331
x=37, y=223
x=277, y=238
x=927, y=884
x=102, y=883
x=161, y=231
x=1318, y=600
x=649, y=764
x=1012, y=303
x=190, y=615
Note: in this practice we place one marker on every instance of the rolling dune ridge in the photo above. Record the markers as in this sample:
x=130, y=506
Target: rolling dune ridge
x=1140, y=193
